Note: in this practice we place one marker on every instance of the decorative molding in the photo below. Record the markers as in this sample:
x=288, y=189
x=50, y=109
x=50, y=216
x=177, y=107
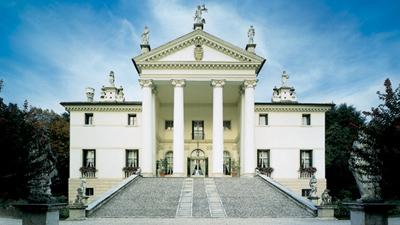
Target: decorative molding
x=217, y=83
x=146, y=83
x=290, y=108
x=198, y=51
x=199, y=37
x=199, y=65
x=103, y=108
x=250, y=83
x=178, y=83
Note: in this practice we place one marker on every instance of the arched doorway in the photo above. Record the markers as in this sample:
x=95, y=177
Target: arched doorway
x=197, y=164
x=227, y=163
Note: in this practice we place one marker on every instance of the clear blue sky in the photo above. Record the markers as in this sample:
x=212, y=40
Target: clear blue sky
x=338, y=51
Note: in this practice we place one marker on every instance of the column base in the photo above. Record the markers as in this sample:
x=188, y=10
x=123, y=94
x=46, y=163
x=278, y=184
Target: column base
x=178, y=175
x=144, y=174
x=248, y=174
x=217, y=175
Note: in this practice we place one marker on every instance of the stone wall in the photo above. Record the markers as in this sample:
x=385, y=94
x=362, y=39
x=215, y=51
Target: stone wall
x=99, y=185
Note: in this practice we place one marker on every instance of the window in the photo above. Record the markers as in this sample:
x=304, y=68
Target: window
x=306, y=120
x=170, y=162
x=263, y=158
x=88, y=118
x=132, y=158
x=89, y=191
x=169, y=124
x=198, y=130
x=305, y=159
x=263, y=120
x=305, y=192
x=227, y=124
x=131, y=119
x=89, y=158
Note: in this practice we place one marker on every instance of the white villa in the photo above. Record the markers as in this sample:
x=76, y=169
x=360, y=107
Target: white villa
x=197, y=118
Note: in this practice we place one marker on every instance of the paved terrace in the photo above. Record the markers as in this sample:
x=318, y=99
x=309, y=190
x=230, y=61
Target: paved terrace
x=201, y=221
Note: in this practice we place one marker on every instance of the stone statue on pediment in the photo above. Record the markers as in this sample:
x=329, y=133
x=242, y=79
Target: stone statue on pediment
x=198, y=15
x=145, y=36
x=251, y=33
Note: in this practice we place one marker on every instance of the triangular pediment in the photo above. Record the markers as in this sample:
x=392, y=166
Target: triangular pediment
x=213, y=49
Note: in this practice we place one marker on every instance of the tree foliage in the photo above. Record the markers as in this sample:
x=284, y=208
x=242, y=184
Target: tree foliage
x=383, y=142
x=17, y=129
x=342, y=124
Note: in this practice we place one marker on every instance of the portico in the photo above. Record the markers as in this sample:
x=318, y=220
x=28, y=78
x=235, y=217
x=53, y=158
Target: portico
x=184, y=102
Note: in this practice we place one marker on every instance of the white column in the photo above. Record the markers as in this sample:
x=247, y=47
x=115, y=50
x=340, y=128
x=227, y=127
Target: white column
x=179, y=138
x=218, y=128
x=249, y=145
x=242, y=155
x=146, y=155
x=154, y=129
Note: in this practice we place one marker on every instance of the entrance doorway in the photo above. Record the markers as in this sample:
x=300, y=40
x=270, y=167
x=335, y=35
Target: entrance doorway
x=197, y=164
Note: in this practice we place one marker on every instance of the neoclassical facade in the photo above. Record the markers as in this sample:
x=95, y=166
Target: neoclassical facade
x=197, y=118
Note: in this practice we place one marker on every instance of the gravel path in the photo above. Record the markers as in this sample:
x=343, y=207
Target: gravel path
x=252, y=197
x=146, y=197
x=200, y=203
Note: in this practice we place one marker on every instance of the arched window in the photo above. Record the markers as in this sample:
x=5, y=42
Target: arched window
x=227, y=163
x=169, y=156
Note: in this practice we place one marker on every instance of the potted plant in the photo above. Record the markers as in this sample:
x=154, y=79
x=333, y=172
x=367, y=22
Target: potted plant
x=307, y=172
x=88, y=171
x=265, y=170
x=235, y=168
x=129, y=170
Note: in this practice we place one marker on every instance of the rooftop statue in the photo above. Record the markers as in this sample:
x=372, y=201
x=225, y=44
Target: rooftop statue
x=145, y=36
x=111, y=78
x=285, y=78
x=198, y=14
x=251, y=33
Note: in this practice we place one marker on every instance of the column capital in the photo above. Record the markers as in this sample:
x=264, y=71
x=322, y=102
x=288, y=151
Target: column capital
x=217, y=83
x=146, y=83
x=250, y=83
x=178, y=83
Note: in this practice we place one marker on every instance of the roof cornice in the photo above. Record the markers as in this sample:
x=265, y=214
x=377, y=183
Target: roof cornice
x=298, y=107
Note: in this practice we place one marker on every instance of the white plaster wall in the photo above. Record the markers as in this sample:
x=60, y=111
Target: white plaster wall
x=285, y=137
x=109, y=135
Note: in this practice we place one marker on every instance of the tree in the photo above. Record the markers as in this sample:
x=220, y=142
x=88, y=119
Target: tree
x=342, y=124
x=382, y=150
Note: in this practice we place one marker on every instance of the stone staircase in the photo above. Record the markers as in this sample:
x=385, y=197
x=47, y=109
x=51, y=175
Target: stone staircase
x=200, y=197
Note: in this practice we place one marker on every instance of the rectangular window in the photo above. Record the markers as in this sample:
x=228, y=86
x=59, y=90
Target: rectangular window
x=89, y=191
x=88, y=118
x=227, y=124
x=305, y=192
x=89, y=158
x=198, y=130
x=306, y=159
x=132, y=158
x=169, y=124
x=132, y=119
x=306, y=119
x=263, y=119
x=263, y=158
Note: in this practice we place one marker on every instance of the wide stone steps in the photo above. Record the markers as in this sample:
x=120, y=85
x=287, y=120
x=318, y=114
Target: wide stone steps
x=200, y=197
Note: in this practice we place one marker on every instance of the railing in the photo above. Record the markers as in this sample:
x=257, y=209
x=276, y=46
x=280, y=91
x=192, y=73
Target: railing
x=307, y=172
x=267, y=171
x=306, y=204
x=130, y=170
x=88, y=172
x=198, y=135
